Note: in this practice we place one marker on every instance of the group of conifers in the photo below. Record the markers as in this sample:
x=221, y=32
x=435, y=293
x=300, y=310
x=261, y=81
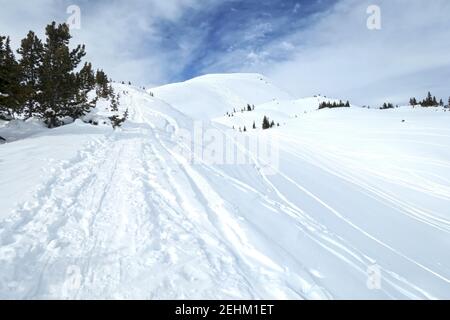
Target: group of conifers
x=47, y=80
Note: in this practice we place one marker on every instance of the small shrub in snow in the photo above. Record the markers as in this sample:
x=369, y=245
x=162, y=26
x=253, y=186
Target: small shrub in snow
x=117, y=121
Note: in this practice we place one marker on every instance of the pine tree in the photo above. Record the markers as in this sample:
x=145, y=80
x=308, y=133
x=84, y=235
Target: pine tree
x=31, y=51
x=115, y=103
x=10, y=101
x=103, y=87
x=429, y=99
x=441, y=103
x=61, y=96
x=3, y=79
x=266, y=123
x=86, y=77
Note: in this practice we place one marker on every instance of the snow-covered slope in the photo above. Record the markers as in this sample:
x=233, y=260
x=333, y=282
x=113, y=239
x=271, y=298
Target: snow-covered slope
x=212, y=96
x=280, y=111
x=88, y=212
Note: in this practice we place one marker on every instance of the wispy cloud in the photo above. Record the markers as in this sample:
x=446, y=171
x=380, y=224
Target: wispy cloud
x=306, y=46
x=341, y=57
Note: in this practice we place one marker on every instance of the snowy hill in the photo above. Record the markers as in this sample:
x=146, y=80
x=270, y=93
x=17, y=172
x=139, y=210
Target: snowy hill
x=280, y=111
x=212, y=96
x=88, y=212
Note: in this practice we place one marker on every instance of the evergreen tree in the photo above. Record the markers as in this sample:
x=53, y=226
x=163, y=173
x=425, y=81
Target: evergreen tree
x=61, y=96
x=31, y=51
x=115, y=103
x=387, y=106
x=103, y=87
x=429, y=100
x=86, y=77
x=441, y=103
x=10, y=103
x=266, y=123
x=330, y=105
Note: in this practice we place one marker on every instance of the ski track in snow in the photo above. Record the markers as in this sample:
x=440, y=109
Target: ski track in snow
x=126, y=218
x=130, y=218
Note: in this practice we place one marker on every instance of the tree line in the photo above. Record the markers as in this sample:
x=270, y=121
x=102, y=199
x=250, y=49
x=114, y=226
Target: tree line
x=331, y=105
x=46, y=81
x=429, y=101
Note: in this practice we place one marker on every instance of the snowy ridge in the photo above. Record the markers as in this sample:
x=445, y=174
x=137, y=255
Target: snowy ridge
x=212, y=96
x=122, y=214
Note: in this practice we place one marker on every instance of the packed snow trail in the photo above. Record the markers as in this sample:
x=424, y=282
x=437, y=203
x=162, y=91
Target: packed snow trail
x=126, y=219
x=128, y=216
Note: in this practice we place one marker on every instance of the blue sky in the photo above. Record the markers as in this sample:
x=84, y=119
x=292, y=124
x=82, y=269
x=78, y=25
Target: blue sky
x=239, y=26
x=305, y=46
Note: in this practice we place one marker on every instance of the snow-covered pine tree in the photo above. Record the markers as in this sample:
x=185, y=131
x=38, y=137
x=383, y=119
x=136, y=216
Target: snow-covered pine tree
x=115, y=103
x=30, y=63
x=117, y=121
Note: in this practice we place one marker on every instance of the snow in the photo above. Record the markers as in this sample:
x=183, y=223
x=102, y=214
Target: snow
x=280, y=111
x=92, y=213
x=212, y=96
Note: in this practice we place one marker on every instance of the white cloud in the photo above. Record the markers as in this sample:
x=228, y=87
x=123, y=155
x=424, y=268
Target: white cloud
x=339, y=56
x=117, y=33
